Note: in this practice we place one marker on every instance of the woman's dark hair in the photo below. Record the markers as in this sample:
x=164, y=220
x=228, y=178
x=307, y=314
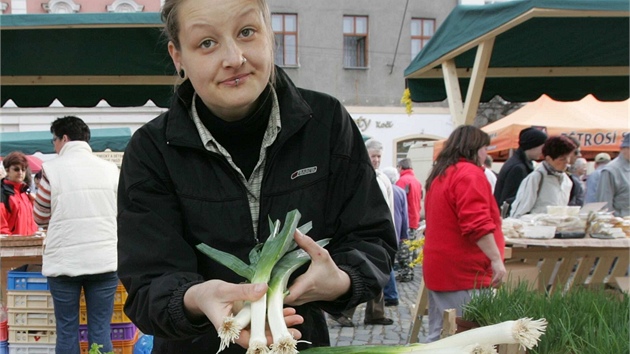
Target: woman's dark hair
x=557, y=146
x=464, y=142
x=74, y=127
x=15, y=158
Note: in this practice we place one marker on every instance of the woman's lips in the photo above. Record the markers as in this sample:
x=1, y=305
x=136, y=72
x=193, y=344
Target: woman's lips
x=236, y=80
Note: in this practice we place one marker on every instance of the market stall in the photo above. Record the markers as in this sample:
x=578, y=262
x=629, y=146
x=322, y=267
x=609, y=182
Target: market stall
x=598, y=125
x=30, y=142
x=520, y=50
x=16, y=251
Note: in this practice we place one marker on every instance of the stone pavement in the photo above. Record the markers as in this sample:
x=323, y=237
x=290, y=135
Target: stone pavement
x=397, y=333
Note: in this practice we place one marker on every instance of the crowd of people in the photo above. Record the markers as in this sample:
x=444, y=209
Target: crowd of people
x=186, y=180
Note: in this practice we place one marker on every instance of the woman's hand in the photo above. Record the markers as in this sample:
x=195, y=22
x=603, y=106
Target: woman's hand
x=498, y=272
x=323, y=281
x=216, y=299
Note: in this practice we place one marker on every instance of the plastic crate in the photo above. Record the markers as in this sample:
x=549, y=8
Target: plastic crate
x=32, y=318
x=4, y=347
x=19, y=335
x=119, y=331
x=22, y=279
x=118, y=316
x=31, y=348
x=30, y=300
x=4, y=332
x=120, y=346
x=119, y=298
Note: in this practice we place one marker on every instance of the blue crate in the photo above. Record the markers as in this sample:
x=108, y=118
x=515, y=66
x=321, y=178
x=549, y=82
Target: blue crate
x=20, y=279
x=4, y=347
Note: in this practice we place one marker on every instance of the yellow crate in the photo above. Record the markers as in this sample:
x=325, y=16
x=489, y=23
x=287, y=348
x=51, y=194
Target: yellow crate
x=30, y=300
x=31, y=318
x=119, y=298
x=118, y=316
x=32, y=336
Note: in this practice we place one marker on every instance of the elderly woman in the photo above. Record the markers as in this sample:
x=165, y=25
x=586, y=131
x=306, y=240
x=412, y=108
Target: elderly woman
x=16, y=208
x=463, y=224
x=549, y=184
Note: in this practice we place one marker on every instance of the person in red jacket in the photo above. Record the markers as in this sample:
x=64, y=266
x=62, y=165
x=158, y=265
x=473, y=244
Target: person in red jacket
x=16, y=208
x=413, y=189
x=464, y=244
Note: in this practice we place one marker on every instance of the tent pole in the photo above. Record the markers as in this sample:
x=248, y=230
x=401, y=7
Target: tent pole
x=453, y=93
x=477, y=79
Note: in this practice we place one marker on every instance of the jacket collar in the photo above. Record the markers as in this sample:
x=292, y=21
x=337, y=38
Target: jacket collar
x=181, y=130
x=75, y=146
x=521, y=156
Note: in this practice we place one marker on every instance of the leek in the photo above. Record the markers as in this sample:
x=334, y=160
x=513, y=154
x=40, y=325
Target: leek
x=273, y=249
x=283, y=341
x=525, y=332
x=231, y=327
x=270, y=262
x=417, y=348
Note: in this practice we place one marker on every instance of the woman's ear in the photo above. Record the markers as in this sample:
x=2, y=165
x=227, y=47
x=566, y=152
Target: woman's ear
x=175, y=56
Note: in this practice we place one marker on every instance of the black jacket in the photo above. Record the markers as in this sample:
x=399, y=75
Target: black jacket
x=513, y=172
x=174, y=194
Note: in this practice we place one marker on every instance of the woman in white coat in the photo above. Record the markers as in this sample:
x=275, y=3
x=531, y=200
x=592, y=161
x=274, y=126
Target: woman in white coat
x=549, y=184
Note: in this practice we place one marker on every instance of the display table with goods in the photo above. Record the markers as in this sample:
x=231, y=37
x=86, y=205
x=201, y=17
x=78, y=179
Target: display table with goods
x=557, y=250
x=561, y=250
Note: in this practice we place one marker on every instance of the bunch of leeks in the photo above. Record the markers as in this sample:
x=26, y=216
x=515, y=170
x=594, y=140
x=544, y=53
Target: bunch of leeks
x=272, y=262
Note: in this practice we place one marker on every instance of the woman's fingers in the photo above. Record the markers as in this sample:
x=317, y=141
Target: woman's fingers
x=311, y=247
x=228, y=292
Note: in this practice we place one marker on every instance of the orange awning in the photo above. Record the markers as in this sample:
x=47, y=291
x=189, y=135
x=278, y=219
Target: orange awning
x=599, y=126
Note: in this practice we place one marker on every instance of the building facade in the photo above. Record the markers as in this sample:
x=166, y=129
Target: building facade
x=353, y=50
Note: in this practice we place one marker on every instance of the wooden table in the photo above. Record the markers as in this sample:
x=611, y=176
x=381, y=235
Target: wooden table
x=552, y=265
x=16, y=251
x=562, y=263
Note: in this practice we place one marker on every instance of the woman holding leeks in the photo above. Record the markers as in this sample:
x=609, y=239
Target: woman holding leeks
x=241, y=144
x=463, y=224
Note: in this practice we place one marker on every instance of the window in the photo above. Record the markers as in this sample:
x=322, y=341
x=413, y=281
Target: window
x=124, y=6
x=355, y=41
x=285, y=32
x=422, y=30
x=61, y=6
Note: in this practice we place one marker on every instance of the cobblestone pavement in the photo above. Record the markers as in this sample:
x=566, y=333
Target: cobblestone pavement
x=397, y=333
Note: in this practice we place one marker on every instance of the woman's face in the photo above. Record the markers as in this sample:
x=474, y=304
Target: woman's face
x=16, y=173
x=215, y=36
x=560, y=163
x=482, y=154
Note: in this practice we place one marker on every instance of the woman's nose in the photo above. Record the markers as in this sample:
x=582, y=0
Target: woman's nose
x=233, y=55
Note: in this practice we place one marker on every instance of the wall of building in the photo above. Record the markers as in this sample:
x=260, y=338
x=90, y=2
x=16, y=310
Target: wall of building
x=372, y=95
x=320, y=46
x=390, y=125
x=35, y=6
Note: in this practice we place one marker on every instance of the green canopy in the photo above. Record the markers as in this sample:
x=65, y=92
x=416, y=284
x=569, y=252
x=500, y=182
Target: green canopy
x=81, y=59
x=114, y=139
x=520, y=50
